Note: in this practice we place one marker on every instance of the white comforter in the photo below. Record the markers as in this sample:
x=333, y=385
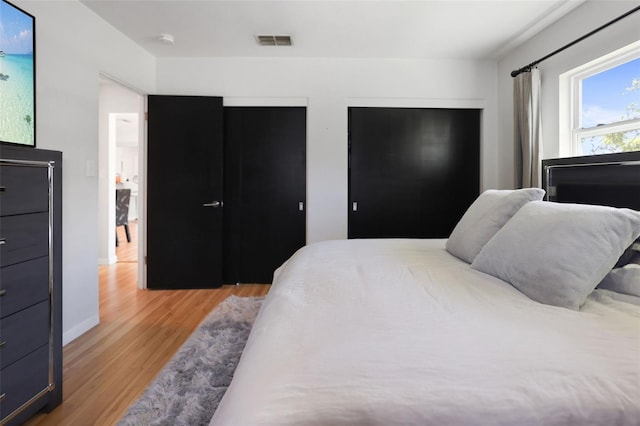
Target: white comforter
x=399, y=332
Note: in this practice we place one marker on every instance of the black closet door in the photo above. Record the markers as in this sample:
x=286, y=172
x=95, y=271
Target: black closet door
x=412, y=172
x=184, y=192
x=265, y=188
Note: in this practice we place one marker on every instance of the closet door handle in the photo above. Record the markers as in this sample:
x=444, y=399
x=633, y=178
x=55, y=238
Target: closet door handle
x=214, y=204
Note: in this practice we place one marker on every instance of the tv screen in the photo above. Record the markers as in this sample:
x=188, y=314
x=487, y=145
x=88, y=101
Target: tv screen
x=17, y=76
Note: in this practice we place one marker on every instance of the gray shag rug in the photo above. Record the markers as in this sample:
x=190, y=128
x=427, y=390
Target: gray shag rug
x=189, y=388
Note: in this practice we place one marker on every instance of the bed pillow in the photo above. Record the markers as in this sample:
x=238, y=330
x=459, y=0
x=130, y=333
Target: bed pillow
x=623, y=280
x=630, y=255
x=488, y=213
x=558, y=253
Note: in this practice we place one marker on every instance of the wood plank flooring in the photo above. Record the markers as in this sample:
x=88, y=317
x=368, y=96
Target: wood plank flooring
x=108, y=368
x=127, y=251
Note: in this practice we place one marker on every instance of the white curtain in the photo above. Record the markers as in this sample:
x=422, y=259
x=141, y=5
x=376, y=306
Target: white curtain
x=527, y=129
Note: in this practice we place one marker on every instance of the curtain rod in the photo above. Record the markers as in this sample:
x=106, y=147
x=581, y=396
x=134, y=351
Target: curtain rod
x=566, y=46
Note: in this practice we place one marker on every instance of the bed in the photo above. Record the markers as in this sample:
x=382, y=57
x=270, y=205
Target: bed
x=503, y=323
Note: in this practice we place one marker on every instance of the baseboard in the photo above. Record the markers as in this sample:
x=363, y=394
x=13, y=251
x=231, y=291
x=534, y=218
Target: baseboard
x=80, y=329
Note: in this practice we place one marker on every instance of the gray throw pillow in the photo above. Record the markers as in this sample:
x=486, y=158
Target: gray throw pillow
x=558, y=253
x=488, y=213
x=623, y=280
x=630, y=255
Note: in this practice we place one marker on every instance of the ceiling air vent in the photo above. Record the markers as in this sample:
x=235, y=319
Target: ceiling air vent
x=273, y=40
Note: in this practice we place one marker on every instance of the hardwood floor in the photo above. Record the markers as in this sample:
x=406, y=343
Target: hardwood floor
x=127, y=251
x=108, y=368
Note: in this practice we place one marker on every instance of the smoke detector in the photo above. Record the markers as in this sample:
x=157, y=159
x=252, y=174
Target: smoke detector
x=166, y=39
x=274, y=40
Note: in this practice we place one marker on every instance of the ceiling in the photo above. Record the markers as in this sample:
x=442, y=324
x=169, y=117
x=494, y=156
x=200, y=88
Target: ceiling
x=456, y=29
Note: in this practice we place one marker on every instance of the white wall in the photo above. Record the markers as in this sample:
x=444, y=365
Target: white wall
x=127, y=162
x=329, y=87
x=73, y=46
x=585, y=18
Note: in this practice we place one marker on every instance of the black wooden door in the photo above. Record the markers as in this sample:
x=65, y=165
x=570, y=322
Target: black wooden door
x=265, y=188
x=412, y=172
x=184, y=192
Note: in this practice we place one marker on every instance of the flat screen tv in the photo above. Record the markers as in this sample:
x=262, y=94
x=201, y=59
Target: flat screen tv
x=17, y=76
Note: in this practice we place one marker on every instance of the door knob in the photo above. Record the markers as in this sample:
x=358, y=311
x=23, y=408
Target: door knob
x=214, y=204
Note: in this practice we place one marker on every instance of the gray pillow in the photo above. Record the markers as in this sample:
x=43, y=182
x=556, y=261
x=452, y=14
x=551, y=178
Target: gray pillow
x=558, y=253
x=488, y=213
x=630, y=255
x=623, y=280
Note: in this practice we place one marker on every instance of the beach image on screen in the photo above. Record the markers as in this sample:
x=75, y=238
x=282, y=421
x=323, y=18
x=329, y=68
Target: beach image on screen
x=17, y=101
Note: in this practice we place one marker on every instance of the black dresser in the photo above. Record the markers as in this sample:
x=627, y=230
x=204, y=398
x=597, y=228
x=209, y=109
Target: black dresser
x=30, y=282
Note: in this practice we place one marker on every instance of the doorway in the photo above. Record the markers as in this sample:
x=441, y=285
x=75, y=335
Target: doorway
x=127, y=178
x=120, y=166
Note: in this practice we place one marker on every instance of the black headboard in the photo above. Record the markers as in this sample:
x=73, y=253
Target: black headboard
x=609, y=179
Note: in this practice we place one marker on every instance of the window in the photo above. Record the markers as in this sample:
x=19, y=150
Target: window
x=604, y=105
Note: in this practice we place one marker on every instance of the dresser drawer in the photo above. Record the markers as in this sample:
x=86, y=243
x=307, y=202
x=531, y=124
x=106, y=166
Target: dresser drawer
x=23, y=190
x=23, y=285
x=24, y=237
x=23, y=332
x=23, y=380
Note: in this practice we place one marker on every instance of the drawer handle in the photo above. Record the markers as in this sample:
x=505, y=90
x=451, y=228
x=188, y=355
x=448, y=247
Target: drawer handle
x=2, y=397
x=3, y=292
x=3, y=241
x=2, y=344
x=3, y=188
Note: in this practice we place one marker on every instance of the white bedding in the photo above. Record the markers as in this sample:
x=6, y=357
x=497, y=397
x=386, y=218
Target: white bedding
x=399, y=332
